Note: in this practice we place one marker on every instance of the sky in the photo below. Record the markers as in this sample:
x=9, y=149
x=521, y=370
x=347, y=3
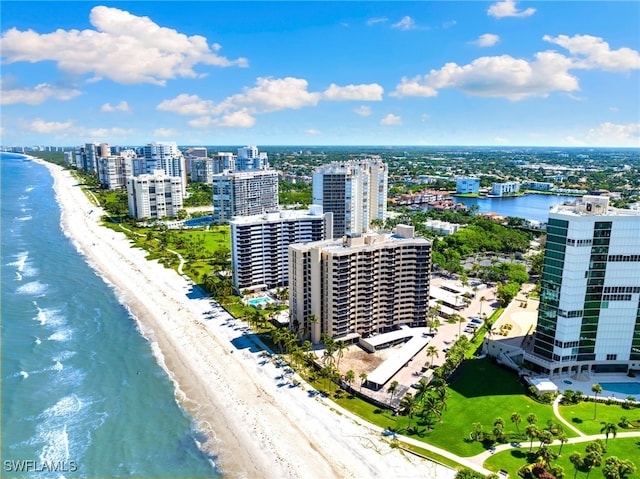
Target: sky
x=506, y=73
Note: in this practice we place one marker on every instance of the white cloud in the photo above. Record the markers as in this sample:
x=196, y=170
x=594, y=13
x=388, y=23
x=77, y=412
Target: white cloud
x=414, y=87
x=123, y=47
x=370, y=92
x=165, y=132
x=487, y=40
x=507, y=8
x=611, y=134
x=363, y=110
x=594, y=52
x=373, y=21
x=501, y=76
x=391, y=119
x=313, y=131
x=122, y=106
x=449, y=24
x=407, y=23
x=239, y=119
x=41, y=126
x=184, y=104
x=501, y=140
x=271, y=94
x=36, y=95
x=106, y=133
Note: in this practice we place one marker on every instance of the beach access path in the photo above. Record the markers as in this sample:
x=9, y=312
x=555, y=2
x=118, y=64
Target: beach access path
x=258, y=424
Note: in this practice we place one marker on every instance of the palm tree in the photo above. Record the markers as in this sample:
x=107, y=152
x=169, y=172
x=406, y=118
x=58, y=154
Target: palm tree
x=482, y=300
x=562, y=437
x=596, y=389
x=461, y=321
x=477, y=431
x=349, y=376
x=609, y=428
x=340, y=347
x=577, y=461
x=532, y=418
x=431, y=352
x=393, y=389
x=591, y=460
x=498, y=429
x=363, y=379
x=532, y=432
x=421, y=389
x=545, y=438
x=408, y=405
x=516, y=419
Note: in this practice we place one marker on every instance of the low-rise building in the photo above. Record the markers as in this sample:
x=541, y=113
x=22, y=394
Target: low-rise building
x=508, y=188
x=467, y=185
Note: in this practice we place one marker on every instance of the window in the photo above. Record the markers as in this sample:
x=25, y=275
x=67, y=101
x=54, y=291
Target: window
x=612, y=357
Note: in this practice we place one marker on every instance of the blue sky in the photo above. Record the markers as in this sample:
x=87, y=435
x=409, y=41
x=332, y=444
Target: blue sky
x=321, y=73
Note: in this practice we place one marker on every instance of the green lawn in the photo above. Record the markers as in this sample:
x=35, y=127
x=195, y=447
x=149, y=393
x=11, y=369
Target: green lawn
x=581, y=416
x=482, y=392
x=513, y=459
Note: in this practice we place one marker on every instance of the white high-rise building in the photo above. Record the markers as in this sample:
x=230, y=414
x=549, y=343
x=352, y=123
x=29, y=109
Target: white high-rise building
x=589, y=317
x=113, y=171
x=359, y=285
x=154, y=196
x=222, y=161
x=259, y=244
x=166, y=156
x=354, y=191
x=244, y=193
x=249, y=158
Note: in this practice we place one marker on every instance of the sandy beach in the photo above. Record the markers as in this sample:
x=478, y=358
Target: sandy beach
x=257, y=423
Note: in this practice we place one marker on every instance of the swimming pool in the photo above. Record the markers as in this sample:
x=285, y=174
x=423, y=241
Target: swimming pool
x=622, y=388
x=257, y=301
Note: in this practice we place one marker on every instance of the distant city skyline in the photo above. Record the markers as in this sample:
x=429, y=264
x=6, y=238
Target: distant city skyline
x=421, y=73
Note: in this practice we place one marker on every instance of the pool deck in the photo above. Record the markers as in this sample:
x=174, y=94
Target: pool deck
x=584, y=386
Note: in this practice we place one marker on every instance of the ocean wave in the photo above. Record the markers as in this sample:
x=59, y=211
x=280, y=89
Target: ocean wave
x=37, y=340
x=29, y=188
x=24, y=218
x=49, y=316
x=61, y=335
x=33, y=288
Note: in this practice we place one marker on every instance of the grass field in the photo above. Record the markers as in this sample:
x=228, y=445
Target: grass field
x=581, y=416
x=513, y=459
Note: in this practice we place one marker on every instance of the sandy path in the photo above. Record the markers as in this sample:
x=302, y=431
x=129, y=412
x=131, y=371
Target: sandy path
x=258, y=425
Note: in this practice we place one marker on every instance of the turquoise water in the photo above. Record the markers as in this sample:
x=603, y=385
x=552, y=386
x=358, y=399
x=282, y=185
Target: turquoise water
x=254, y=301
x=622, y=388
x=80, y=385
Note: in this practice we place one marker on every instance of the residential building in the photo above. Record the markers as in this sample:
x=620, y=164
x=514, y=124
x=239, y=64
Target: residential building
x=201, y=170
x=354, y=191
x=259, y=244
x=443, y=227
x=589, y=316
x=166, y=156
x=249, y=158
x=503, y=189
x=359, y=285
x=154, y=196
x=114, y=170
x=244, y=193
x=467, y=186
x=223, y=161
x=538, y=185
x=87, y=158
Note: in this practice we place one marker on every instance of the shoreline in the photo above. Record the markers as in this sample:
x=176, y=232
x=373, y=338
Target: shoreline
x=257, y=425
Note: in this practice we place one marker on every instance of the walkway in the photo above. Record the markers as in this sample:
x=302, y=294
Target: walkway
x=479, y=459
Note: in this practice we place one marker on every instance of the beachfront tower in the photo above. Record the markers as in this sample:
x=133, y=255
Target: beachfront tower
x=154, y=196
x=354, y=191
x=244, y=193
x=359, y=285
x=589, y=317
x=259, y=245
x=166, y=156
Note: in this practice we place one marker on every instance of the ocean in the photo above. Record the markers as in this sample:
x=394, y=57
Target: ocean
x=82, y=393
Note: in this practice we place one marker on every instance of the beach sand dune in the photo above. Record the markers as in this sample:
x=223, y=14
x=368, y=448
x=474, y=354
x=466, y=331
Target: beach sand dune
x=257, y=423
